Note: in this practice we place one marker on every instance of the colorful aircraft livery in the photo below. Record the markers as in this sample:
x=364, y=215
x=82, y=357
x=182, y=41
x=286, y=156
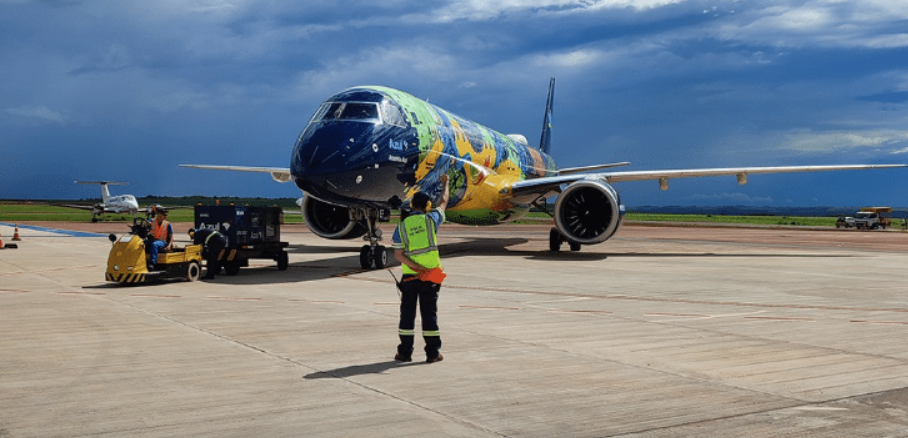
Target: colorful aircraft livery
x=368, y=149
x=392, y=137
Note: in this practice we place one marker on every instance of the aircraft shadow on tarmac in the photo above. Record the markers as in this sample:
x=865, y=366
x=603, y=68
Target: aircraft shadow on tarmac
x=339, y=266
x=314, y=270
x=357, y=370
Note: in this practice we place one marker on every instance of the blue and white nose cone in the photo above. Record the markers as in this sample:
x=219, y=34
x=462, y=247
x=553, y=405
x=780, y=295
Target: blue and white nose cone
x=344, y=154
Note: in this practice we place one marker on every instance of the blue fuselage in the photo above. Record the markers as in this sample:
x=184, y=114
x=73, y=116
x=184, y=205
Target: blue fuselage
x=376, y=146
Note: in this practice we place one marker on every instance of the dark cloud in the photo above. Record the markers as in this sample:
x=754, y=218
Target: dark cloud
x=89, y=86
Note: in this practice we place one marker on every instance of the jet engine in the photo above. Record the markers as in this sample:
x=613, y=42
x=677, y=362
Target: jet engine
x=588, y=212
x=329, y=220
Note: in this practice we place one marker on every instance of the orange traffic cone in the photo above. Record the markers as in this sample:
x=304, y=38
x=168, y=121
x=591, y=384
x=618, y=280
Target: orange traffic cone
x=1, y=240
x=16, y=234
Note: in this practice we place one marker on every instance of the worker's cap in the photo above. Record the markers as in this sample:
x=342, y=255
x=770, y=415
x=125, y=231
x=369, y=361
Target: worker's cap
x=158, y=208
x=192, y=232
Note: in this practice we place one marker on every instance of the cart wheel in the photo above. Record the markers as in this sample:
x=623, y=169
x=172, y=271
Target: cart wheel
x=193, y=271
x=282, y=261
x=232, y=268
x=380, y=256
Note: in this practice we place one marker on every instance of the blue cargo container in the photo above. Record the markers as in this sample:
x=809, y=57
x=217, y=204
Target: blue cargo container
x=252, y=233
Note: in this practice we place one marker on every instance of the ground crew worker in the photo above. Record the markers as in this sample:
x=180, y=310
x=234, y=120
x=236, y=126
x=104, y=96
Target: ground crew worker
x=416, y=247
x=213, y=245
x=161, y=237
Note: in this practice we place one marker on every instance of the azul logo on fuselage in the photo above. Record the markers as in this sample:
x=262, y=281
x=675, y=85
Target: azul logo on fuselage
x=397, y=145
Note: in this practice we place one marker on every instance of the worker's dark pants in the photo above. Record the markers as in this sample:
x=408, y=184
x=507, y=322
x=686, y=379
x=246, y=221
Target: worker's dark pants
x=215, y=245
x=426, y=294
x=153, y=247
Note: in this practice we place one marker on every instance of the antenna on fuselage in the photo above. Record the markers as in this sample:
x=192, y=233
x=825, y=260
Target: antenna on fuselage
x=545, y=142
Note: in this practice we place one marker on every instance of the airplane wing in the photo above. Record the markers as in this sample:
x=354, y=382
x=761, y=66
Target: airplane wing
x=570, y=170
x=79, y=206
x=549, y=186
x=279, y=174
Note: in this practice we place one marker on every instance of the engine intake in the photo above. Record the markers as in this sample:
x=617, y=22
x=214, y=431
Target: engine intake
x=588, y=212
x=329, y=220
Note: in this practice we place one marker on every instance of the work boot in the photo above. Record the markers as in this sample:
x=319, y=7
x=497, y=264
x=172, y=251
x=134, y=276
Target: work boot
x=438, y=358
x=401, y=358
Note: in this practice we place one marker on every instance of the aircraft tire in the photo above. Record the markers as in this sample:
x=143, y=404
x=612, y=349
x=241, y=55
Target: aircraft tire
x=365, y=257
x=554, y=240
x=574, y=246
x=282, y=261
x=380, y=257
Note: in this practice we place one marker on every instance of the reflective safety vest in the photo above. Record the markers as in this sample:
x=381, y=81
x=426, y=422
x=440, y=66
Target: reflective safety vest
x=213, y=233
x=417, y=234
x=159, y=232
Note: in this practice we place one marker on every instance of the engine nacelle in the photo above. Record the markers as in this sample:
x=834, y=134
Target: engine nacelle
x=588, y=212
x=329, y=220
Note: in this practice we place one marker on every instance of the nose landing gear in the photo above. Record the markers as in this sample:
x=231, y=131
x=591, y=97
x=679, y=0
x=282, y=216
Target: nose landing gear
x=373, y=255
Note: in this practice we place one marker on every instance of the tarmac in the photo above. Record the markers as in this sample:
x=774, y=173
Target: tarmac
x=659, y=332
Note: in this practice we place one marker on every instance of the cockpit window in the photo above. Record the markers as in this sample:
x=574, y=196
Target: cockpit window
x=391, y=115
x=359, y=111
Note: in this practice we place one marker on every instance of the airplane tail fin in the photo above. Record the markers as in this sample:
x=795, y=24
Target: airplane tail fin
x=545, y=142
x=105, y=192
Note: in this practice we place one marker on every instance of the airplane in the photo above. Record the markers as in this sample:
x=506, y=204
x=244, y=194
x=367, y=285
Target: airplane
x=109, y=204
x=115, y=204
x=367, y=149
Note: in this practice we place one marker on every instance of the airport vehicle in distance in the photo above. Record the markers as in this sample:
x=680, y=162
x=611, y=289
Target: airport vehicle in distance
x=128, y=261
x=367, y=149
x=871, y=218
x=252, y=233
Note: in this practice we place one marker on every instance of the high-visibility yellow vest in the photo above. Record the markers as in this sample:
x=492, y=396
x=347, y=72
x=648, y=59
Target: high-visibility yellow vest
x=417, y=234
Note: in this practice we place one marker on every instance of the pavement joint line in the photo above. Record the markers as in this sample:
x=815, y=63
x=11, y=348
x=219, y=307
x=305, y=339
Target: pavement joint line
x=41, y=271
x=879, y=322
x=487, y=307
x=656, y=299
x=781, y=318
x=154, y=296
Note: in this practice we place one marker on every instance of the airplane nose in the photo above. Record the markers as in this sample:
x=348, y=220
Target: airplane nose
x=344, y=164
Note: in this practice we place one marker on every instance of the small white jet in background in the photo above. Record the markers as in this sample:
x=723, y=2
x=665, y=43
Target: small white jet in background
x=109, y=204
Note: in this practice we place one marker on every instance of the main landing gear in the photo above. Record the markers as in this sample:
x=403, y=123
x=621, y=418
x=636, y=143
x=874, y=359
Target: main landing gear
x=556, y=239
x=373, y=255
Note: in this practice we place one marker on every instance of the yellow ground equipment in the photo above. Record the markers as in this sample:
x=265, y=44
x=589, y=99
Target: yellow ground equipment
x=128, y=261
x=874, y=217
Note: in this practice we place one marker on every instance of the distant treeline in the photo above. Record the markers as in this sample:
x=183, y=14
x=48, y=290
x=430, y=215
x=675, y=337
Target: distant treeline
x=734, y=210
x=741, y=210
x=286, y=203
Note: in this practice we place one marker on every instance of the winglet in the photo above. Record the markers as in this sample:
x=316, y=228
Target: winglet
x=545, y=142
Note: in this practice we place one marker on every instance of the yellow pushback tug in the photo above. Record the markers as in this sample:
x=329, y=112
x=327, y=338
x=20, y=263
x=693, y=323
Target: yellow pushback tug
x=127, y=262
